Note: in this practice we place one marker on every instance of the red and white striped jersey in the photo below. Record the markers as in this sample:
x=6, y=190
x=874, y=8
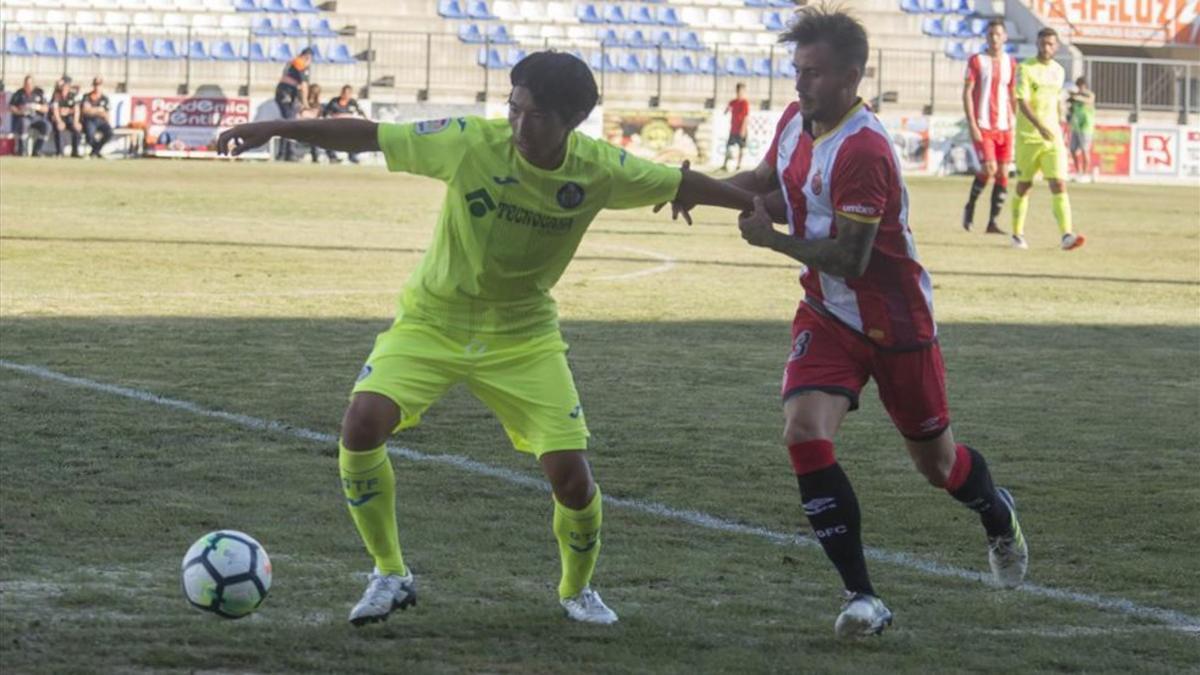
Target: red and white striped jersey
x=993, y=83
x=853, y=170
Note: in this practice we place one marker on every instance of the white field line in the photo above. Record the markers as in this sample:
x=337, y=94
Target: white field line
x=667, y=263
x=1172, y=618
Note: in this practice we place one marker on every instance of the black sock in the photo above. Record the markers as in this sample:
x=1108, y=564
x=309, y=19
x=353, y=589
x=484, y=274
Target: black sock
x=832, y=510
x=976, y=189
x=978, y=493
x=999, y=194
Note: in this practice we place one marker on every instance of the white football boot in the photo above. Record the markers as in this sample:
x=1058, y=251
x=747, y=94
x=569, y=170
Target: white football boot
x=385, y=593
x=588, y=608
x=1019, y=242
x=1008, y=554
x=862, y=615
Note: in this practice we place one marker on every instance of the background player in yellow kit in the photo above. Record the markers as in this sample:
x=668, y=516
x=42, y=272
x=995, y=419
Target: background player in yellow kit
x=477, y=310
x=1040, y=147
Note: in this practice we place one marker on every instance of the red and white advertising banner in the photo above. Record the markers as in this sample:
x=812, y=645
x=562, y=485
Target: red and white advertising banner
x=1149, y=23
x=1190, y=155
x=177, y=124
x=1156, y=152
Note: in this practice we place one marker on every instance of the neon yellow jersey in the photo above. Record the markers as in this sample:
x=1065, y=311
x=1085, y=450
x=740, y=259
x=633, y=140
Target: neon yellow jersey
x=508, y=229
x=1040, y=85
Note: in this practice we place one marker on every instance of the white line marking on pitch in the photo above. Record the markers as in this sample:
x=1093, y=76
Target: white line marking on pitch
x=1172, y=618
x=668, y=263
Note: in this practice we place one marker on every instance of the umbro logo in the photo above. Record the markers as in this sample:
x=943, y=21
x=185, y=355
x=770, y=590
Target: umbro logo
x=506, y=180
x=813, y=507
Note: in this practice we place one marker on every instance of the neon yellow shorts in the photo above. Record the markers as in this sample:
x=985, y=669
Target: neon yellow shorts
x=1048, y=158
x=526, y=382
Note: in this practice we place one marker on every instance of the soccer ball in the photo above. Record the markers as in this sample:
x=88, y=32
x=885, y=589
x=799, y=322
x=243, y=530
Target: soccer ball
x=227, y=573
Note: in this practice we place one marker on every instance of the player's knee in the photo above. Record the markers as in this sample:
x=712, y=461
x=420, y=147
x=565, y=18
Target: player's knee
x=801, y=431
x=365, y=427
x=574, y=489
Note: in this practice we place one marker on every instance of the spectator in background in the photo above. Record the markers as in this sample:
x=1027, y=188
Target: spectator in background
x=739, y=111
x=311, y=110
x=94, y=111
x=290, y=94
x=28, y=109
x=1083, y=124
x=64, y=116
x=343, y=105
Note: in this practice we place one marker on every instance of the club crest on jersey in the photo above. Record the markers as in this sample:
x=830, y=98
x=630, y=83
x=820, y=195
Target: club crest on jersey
x=570, y=195
x=431, y=126
x=817, y=185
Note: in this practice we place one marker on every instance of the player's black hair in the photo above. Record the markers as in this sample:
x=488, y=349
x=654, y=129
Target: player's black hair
x=996, y=21
x=1047, y=32
x=307, y=51
x=558, y=82
x=833, y=26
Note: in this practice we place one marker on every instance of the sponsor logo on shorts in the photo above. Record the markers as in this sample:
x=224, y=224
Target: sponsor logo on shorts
x=860, y=209
x=931, y=424
x=800, y=346
x=431, y=126
x=819, y=505
x=365, y=372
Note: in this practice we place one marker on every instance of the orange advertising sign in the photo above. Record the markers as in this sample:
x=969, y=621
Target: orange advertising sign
x=1152, y=23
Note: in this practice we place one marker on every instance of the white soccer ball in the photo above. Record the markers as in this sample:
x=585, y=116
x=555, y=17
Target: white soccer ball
x=227, y=573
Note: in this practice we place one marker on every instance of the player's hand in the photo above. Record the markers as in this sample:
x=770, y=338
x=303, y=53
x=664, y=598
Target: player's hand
x=756, y=225
x=243, y=137
x=1046, y=133
x=976, y=134
x=679, y=208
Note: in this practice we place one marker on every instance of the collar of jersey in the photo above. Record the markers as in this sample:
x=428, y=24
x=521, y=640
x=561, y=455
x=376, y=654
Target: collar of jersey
x=526, y=165
x=842, y=122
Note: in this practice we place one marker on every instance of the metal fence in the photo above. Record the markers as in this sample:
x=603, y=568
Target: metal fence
x=1140, y=85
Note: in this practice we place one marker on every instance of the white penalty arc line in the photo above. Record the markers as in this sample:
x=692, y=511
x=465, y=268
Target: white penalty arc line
x=1172, y=618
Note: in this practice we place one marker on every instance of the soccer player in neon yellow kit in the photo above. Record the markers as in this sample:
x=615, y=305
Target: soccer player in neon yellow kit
x=477, y=310
x=1040, y=147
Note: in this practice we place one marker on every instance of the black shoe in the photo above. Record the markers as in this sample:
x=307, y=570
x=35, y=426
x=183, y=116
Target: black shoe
x=993, y=228
x=968, y=214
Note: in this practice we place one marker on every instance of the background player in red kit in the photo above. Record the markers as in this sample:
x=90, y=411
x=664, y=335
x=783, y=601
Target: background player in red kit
x=739, y=116
x=989, y=101
x=832, y=175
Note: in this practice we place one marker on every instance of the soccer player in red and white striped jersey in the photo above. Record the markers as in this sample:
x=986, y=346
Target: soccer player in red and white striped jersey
x=990, y=105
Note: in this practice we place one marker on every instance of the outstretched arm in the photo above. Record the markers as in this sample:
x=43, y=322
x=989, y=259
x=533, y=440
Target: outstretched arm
x=734, y=192
x=846, y=255
x=340, y=135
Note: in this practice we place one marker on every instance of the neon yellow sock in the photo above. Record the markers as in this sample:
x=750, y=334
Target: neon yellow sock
x=578, y=534
x=1061, y=204
x=370, y=488
x=1020, y=207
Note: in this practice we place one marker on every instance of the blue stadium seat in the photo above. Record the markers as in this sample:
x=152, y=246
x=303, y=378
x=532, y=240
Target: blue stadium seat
x=691, y=40
x=275, y=6
x=165, y=49
x=106, y=48
x=631, y=63
x=489, y=58
x=957, y=50
x=321, y=28
x=77, y=48
x=318, y=56
x=667, y=16
x=912, y=6
x=963, y=6
x=786, y=68
x=663, y=38
x=499, y=34
x=773, y=22
x=937, y=6
x=470, y=34
x=450, y=9
x=294, y=29
x=245, y=6
x=341, y=55
x=46, y=46
x=684, y=65
x=588, y=14
x=18, y=45
x=636, y=39
x=514, y=56
x=762, y=67
x=643, y=15
x=282, y=53
x=304, y=7
x=757, y=4
x=978, y=27
x=933, y=27
x=198, y=52
x=614, y=14
x=1011, y=48
x=255, y=53
x=224, y=51
x=956, y=27
x=707, y=64
x=263, y=27
x=605, y=62
x=137, y=49
x=479, y=11
x=653, y=64
x=737, y=66
x=608, y=37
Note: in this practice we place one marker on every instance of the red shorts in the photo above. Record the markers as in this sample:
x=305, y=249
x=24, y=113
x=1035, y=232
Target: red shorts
x=995, y=146
x=827, y=356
